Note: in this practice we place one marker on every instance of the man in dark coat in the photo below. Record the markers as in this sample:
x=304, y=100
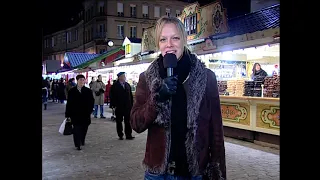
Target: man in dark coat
x=122, y=100
x=79, y=107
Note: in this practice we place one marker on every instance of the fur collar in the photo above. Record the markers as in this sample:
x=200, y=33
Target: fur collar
x=195, y=89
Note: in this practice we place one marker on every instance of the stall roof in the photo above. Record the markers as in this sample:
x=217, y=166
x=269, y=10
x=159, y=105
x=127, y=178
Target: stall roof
x=256, y=21
x=78, y=59
x=101, y=57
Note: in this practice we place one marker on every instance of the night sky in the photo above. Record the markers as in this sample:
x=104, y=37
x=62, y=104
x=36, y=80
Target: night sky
x=58, y=13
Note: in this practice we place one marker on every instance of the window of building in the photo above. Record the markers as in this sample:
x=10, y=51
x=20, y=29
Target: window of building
x=143, y=31
x=76, y=35
x=133, y=31
x=120, y=31
x=145, y=11
x=102, y=51
x=120, y=9
x=101, y=8
x=190, y=24
x=102, y=30
x=133, y=10
x=178, y=13
x=69, y=37
x=52, y=42
x=168, y=12
x=156, y=11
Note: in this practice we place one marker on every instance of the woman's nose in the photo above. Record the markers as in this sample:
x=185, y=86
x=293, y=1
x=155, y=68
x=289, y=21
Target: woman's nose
x=169, y=44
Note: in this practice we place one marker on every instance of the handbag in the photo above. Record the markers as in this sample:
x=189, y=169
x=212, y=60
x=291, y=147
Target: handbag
x=66, y=127
x=101, y=91
x=98, y=93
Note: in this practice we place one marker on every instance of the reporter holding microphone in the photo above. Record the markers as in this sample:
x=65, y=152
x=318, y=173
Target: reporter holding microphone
x=177, y=100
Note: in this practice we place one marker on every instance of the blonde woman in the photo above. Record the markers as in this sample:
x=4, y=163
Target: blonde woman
x=181, y=113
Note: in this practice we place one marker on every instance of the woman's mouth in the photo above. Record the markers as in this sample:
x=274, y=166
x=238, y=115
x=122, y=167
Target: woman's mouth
x=172, y=51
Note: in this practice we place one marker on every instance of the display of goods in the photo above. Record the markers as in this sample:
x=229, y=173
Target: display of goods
x=272, y=86
x=248, y=88
x=253, y=88
x=222, y=87
x=231, y=87
x=235, y=87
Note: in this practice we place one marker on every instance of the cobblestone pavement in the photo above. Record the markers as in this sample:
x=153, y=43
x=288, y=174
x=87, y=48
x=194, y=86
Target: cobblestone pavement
x=106, y=157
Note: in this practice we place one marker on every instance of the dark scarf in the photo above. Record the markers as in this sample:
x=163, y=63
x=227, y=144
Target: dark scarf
x=179, y=115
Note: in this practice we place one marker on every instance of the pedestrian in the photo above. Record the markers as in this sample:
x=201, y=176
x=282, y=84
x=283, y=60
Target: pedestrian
x=78, y=109
x=181, y=112
x=71, y=83
x=45, y=92
x=92, y=81
x=61, y=91
x=122, y=101
x=98, y=88
x=107, y=92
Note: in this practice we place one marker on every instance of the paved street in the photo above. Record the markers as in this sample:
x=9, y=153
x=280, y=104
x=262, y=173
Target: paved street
x=106, y=157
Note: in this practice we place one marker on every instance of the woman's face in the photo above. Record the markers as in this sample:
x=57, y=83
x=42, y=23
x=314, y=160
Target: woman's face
x=170, y=40
x=257, y=67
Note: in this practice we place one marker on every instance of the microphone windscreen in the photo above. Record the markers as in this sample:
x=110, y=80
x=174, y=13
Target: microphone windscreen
x=170, y=60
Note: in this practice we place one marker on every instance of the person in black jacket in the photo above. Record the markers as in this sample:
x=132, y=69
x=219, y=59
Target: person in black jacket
x=258, y=74
x=122, y=100
x=79, y=107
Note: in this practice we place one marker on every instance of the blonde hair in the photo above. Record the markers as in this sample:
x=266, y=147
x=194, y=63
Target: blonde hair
x=167, y=20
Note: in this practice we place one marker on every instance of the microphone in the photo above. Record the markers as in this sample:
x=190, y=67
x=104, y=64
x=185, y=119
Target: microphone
x=169, y=62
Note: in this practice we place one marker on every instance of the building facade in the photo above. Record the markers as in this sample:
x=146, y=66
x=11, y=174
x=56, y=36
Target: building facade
x=106, y=23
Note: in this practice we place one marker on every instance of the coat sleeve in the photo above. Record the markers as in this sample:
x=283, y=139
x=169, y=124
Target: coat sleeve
x=91, y=101
x=217, y=164
x=111, y=94
x=144, y=110
x=69, y=105
x=131, y=96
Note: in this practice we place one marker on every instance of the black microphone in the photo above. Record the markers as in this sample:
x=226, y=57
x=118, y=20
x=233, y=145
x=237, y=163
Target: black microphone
x=169, y=62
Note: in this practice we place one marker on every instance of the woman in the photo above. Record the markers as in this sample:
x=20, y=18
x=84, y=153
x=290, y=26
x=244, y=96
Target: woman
x=182, y=112
x=107, y=92
x=258, y=74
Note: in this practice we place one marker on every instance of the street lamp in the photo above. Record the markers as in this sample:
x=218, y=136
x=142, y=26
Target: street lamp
x=110, y=43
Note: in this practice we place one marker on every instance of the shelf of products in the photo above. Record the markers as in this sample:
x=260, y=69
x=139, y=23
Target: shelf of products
x=272, y=86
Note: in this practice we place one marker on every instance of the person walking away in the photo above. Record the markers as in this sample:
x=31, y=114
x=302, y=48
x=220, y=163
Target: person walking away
x=122, y=101
x=79, y=107
x=54, y=89
x=107, y=92
x=181, y=112
x=61, y=91
x=98, y=89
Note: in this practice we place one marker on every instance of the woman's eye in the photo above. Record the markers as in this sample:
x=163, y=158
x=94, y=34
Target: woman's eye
x=162, y=40
x=176, y=38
